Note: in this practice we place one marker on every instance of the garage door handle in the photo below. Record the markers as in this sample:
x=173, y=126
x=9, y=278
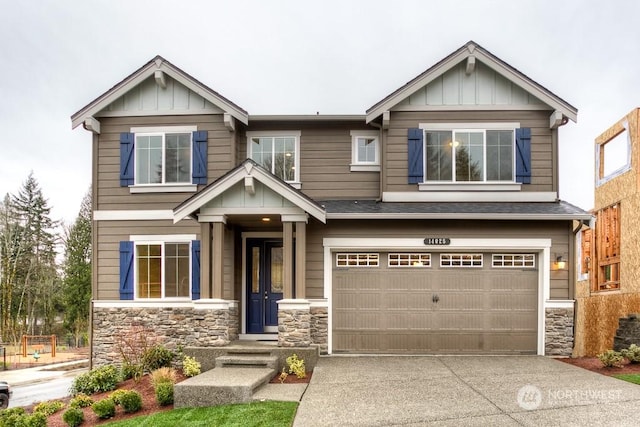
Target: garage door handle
x=435, y=298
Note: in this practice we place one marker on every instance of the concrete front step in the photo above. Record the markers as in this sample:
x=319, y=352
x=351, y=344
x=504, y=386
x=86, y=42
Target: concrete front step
x=247, y=360
x=220, y=386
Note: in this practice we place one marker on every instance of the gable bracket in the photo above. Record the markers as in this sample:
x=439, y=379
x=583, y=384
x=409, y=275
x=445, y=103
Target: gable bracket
x=91, y=124
x=229, y=122
x=249, y=185
x=160, y=79
x=471, y=65
x=386, y=119
x=557, y=119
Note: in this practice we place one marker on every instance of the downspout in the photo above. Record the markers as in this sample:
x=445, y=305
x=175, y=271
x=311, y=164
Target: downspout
x=381, y=144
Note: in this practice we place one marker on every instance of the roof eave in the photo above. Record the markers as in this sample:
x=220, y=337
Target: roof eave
x=467, y=216
x=473, y=49
x=144, y=72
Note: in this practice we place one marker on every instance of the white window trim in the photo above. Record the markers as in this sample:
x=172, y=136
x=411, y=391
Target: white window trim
x=466, y=185
x=358, y=166
x=458, y=257
x=414, y=259
x=170, y=187
x=290, y=133
x=497, y=260
x=160, y=239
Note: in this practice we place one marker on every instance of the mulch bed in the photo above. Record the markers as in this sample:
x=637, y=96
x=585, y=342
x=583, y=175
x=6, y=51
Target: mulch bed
x=291, y=379
x=144, y=387
x=595, y=365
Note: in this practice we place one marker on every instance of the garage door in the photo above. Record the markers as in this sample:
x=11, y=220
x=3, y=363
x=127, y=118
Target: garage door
x=476, y=303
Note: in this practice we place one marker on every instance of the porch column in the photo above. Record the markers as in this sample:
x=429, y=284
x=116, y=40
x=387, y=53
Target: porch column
x=301, y=259
x=205, y=261
x=287, y=255
x=217, y=273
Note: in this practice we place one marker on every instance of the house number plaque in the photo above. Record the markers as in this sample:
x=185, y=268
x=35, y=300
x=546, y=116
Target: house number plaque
x=439, y=241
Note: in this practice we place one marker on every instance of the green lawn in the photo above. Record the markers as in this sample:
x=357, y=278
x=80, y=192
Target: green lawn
x=265, y=414
x=632, y=378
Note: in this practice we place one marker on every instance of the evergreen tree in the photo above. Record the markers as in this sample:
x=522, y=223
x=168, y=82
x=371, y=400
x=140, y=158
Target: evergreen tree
x=38, y=284
x=77, y=272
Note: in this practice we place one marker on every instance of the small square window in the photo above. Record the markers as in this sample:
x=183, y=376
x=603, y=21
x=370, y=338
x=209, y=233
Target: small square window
x=365, y=151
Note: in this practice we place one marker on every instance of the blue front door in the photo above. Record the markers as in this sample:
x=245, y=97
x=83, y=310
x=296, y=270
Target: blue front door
x=264, y=284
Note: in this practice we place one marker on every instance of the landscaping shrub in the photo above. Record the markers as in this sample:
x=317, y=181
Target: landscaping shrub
x=130, y=370
x=610, y=358
x=632, y=354
x=156, y=357
x=11, y=417
x=296, y=366
x=49, y=407
x=104, y=408
x=37, y=419
x=190, y=366
x=73, y=417
x=81, y=401
x=164, y=393
x=161, y=375
x=117, y=395
x=131, y=401
x=104, y=378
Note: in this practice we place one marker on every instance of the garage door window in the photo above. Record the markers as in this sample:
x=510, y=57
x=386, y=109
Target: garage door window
x=461, y=260
x=513, y=260
x=409, y=260
x=358, y=260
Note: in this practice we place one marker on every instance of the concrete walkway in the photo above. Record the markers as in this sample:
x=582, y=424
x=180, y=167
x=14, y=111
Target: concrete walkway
x=462, y=390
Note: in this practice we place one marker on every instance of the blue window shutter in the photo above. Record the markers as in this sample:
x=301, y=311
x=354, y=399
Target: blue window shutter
x=416, y=156
x=199, y=155
x=126, y=270
x=523, y=155
x=126, y=159
x=195, y=269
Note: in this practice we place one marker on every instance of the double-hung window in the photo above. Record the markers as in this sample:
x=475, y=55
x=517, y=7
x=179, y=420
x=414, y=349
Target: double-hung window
x=278, y=152
x=172, y=158
x=365, y=150
x=469, y=154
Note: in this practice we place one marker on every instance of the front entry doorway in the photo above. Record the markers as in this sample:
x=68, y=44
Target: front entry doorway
x=264, y=284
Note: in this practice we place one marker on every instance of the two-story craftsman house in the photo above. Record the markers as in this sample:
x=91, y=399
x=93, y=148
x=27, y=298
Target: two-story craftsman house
x=430, y=224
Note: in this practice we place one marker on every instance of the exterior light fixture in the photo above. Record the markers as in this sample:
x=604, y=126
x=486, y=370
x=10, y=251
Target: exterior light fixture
x=561, y=263
x=266, y=219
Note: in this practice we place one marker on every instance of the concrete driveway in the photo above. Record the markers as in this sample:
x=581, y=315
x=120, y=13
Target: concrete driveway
x=463, y=390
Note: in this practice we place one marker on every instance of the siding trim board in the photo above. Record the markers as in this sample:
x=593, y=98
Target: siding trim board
x=109, y=215
x=541, y=246
x=468, y=216
x=469, y=196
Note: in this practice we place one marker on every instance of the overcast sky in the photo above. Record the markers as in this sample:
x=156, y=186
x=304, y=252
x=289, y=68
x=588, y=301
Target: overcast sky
x=296, y=57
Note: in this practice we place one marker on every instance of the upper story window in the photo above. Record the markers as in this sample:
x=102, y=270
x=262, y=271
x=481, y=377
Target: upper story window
x=497, y=155
x=365, y=150
x=469, y=154
x=163, y=159
x=278, y=152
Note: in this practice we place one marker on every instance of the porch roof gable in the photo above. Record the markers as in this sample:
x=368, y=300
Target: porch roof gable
x=245, y=173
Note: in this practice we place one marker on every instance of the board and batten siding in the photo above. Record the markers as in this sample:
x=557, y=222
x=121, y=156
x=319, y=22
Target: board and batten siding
x=542, y=157
x=558, y=231
x=325, y=159
x=109, y=195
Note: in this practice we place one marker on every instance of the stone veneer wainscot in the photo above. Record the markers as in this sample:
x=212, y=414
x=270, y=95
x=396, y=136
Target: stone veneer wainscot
x=558, y=331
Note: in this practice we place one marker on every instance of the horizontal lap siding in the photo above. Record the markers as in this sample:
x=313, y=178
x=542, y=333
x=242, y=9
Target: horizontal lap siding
x=111, y=196
x=558, y=232
x=325, y=159
x=110, y=233
x=395, y=171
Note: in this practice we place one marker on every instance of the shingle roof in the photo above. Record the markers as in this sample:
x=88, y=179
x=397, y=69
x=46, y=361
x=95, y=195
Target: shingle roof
x=559, y=210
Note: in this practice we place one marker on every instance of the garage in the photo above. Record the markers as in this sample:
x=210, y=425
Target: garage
x=447, y=303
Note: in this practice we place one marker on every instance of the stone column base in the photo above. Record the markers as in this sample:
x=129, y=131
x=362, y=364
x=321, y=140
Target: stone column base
x=558, y=332
x=294, y=323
